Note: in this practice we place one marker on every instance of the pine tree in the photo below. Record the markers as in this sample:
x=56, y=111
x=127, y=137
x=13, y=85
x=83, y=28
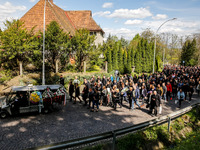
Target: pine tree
x=125, y=61
x=132, y=56
x=138, y=57
x=143, y=63
x=120, y=57
x=115, y=57
x=129, y=61
x=109, y=57
x=148, y=57
x=188, y=53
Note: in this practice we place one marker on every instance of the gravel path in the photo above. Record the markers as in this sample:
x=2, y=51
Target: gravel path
x=71, y=122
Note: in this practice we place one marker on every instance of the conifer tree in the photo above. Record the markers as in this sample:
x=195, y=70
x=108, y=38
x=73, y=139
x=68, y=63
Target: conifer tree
x=109, y=57
x=120, y=57
x=115, y=57
x=129, y=61
x=188, y=53
x=132, y=56
x=138, y=57
x=125, y=61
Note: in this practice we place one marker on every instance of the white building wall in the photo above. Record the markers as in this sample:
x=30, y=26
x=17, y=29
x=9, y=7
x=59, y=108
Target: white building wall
x=99, y=38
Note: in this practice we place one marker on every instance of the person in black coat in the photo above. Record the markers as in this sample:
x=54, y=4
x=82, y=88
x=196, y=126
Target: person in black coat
x=185, y=89
x=104, y=80
x=91, y=97
x=95, y=100
x=116, y=99
x=85, y=94
x=190, y=91
x=130, y=96
x=77, y=93
x=71, y=90
x=62, y=80
x=155, y=102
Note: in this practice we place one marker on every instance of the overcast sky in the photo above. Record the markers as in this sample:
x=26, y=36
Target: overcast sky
x=123, y=17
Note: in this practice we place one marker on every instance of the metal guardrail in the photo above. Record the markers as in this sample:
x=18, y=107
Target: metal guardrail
x=113, y=134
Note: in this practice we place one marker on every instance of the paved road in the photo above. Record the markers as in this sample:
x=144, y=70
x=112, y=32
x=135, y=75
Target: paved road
x=71, y=122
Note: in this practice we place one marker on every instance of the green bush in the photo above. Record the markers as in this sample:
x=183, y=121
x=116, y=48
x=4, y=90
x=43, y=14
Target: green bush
x=151, y=133
x=5, y=75
x=131, y=141
x=190, y=143
x=71, y=68
x=94, y=68
x=178, y=124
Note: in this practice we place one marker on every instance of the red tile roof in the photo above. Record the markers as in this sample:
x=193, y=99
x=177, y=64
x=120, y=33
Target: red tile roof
x=83, y=19
x=68, y=20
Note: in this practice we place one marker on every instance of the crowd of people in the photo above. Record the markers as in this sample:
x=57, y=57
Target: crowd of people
x=152, y=90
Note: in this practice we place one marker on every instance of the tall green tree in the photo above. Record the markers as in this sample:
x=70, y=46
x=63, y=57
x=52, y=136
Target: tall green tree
x=57, y=44
x=109, y=58
x=120, y=57
x=188, y=53
x=82, y=45
x=138, y=59
x=128, y=67
x=115, y=57
x=132, y=56
x=125, y=60
x=17, y=45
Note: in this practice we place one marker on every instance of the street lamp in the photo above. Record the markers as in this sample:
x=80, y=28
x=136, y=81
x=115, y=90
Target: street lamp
x=155, y=42
x=43, y=63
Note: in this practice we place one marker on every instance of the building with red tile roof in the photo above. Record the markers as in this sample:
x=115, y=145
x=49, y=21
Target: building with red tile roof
x=70, y=21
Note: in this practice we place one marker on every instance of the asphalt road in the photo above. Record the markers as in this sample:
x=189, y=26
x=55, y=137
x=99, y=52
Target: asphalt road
x=71, y=122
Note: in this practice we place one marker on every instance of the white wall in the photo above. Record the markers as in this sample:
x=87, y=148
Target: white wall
x=99, y=38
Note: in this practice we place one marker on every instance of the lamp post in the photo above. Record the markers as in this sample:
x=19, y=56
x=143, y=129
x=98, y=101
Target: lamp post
x=155, y=42
x=43, y=63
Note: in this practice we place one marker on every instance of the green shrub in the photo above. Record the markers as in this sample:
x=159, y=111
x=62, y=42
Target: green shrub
x=151, y=133
x=178, y=124
x=163, y=135
x=190, y=143
x=94, y=68
x=5, y=75
x=131, y=141
x=71, y=68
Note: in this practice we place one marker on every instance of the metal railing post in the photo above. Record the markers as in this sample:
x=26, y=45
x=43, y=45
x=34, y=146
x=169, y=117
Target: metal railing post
x=114, y=140
x=169, y=122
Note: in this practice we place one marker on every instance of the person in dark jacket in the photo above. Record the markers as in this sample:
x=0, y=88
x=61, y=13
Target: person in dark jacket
x=155, y=102
x=71, y=90
x=62, y=80
x=77, y=93
x=130, y=96
x=174, y=89
x=190, y=91
x=95, y=100
x=85, y=94
x=116, y=99
x=91, y=97
x=185, y=89
x=104, y=80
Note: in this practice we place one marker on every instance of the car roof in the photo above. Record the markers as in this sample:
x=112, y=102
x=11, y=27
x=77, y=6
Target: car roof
x=34, y=88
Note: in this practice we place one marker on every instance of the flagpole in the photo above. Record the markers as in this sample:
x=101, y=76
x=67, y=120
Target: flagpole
x=43, y=64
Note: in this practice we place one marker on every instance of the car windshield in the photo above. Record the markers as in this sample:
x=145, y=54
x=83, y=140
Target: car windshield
x=10, y=97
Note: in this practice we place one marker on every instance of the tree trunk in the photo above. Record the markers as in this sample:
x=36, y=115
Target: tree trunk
x=20, y=68
x=106, y=67
x=84, y=67
x=57, y=61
